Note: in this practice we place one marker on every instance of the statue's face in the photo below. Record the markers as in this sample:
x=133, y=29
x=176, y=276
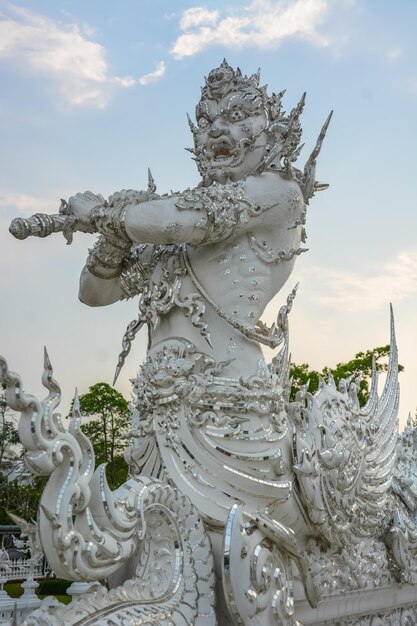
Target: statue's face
x=231, y=138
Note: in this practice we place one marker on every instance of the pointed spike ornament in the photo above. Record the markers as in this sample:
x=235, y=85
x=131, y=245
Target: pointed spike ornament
x=298, y=109
x=76, y=404
x=320, y=138
x=51, y=517
x=308, y=182
x=295, y=115
x=291, y=138
x=255, y=78
x=207, y=337
x=392, y=324
x=192, y=126
x=46, y=360
x=151, y=182
x=48, y=381
x=391, y=380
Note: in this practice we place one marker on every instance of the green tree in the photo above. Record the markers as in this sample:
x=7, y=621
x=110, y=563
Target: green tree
x=361, y=365
x=22, y=498
x=108, y=428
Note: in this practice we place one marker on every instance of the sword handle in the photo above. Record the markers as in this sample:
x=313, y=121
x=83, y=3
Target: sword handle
x=40, y=225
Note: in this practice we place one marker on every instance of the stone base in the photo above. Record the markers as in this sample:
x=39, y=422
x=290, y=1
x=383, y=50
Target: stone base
x=392, y=605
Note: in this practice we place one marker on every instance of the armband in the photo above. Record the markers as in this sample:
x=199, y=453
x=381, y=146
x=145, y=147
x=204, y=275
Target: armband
x=222, y=205
x=109, y=218
x=106, y=257
x=110, y=221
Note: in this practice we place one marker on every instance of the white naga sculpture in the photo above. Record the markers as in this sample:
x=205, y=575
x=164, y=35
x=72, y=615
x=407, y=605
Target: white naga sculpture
x=238, y=498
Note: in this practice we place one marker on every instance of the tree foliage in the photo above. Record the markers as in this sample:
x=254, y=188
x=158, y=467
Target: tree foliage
x=107, y=429
x=360, y=365
x=21, y=499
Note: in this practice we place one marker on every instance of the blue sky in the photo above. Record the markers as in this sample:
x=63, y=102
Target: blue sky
x=94, y=92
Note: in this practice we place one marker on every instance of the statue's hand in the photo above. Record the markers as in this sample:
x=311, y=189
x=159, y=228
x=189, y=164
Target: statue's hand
x=81, y=206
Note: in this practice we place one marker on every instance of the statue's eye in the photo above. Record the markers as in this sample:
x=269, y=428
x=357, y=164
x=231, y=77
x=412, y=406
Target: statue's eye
x=237, y=115
x=203, y=122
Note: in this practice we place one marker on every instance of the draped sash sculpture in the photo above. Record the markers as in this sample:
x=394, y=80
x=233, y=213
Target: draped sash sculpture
x=230, y=479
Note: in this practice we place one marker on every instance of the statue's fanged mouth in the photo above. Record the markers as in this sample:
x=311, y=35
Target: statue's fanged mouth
x=221, y=149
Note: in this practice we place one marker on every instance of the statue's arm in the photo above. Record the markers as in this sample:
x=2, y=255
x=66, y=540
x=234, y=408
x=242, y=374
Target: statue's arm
x=199, y=216
x=205, y=215
x=95, y=291
x=115, y=270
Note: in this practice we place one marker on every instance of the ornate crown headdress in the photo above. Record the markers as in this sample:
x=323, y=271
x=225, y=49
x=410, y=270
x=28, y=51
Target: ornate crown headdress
x=224, y=79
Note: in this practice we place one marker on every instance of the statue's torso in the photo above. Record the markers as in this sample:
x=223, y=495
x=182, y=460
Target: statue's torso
x=239, y=275
x=216, y=411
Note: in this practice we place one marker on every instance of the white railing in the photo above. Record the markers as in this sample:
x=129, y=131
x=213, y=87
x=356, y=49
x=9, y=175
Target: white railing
x=14, y=610
x=20, y=569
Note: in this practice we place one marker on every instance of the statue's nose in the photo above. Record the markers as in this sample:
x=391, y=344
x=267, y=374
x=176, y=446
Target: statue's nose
x=217, y=128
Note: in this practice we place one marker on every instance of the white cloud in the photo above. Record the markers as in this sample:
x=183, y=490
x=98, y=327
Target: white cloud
x=353, y=292
x=61, y=52
x=28, y=205
x=198, y=16
x=262, y=24
x=153, y=76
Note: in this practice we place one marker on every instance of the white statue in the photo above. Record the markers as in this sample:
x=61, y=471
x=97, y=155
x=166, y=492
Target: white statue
x=269, y=478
